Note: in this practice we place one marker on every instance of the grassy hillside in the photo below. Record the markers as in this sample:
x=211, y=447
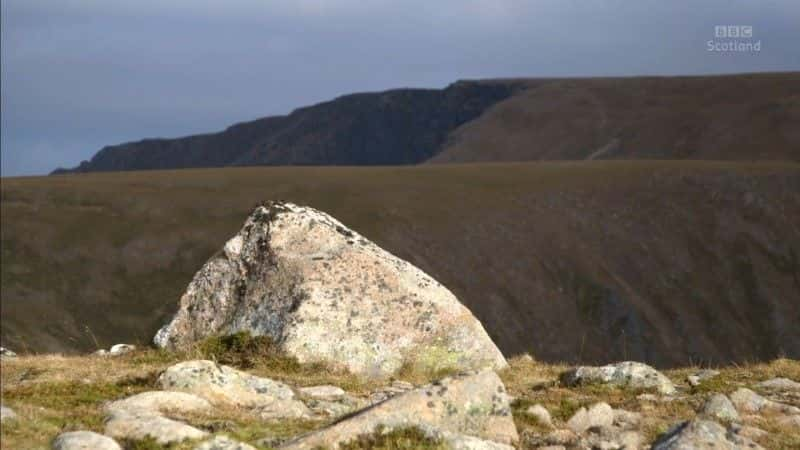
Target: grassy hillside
x=738, y=117
x=664, y=262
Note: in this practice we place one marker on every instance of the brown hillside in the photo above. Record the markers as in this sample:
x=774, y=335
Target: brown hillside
x=744, y=117
x=663, y=262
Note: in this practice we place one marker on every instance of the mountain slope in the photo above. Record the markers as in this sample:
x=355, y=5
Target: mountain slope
x=736, y=117
x=664, y=262
x=745, y=117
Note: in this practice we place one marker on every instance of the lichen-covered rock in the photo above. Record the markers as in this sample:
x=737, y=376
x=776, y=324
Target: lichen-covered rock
x=628, y=374
x=325, y=293
x=719, y=407
x=473, y=405
x=223, y=443
x=226, y=385
x=84, y=440
x=700, y=433
x=121, y=349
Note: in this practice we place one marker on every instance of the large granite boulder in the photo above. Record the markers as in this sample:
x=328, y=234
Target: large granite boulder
x=325, y=293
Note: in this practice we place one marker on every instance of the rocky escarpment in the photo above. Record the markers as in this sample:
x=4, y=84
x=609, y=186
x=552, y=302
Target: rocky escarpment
x=401, y=126
x=325, y=293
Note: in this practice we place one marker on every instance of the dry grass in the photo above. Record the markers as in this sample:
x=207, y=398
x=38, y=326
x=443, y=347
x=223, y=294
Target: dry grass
x=52, y=394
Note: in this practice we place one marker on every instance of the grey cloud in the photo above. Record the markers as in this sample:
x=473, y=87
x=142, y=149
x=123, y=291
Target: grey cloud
x=79, y=74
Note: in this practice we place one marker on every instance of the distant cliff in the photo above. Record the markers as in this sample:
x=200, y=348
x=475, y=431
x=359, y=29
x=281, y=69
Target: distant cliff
x=402, y=126
x=732, y=117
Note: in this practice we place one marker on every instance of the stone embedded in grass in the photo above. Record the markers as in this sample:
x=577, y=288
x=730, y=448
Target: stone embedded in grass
x=121, y=349
x=161, y=402
x=697, y=378
x=719, y=407
x=627, y=374
x=226, y=385
x=780, y=385
x=326, y=293
x=6, y=353
x=701, y=433
x=475, y=405
x=223, y=443
x=599, y=415
x=541, y=415
x=142, y=424
x=142, y=416
x=748, y=401
x=84, y=440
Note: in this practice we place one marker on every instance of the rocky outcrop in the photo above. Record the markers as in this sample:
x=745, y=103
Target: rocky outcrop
x=227, y=386
x=627, y=374
x=84, y=440
x=472, y=405
x=325, y=293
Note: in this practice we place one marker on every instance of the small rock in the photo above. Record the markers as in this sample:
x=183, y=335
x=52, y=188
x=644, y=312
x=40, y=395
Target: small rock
x=6, y=414
x=779, y=384
x=719, y=407
x=552, y=447
x=625, y=374
x=700, y=433
x=526, y=357
x=6, y=353
x=475, y=404
x=541, y=414
x=223, y=443
x=226, y=385
x=598, y=415
x=630, y=440
x=141, y=424
x=101, y=352
x=698, y=377
x=121, y=349
x=748, y=401
x=84, y=440
x=326, y=392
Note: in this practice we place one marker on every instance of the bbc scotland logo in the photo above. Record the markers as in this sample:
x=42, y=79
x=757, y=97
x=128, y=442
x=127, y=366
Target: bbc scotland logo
x=733, y=39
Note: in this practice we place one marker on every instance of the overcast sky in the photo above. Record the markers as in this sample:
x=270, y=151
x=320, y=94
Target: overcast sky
x=79, y=74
